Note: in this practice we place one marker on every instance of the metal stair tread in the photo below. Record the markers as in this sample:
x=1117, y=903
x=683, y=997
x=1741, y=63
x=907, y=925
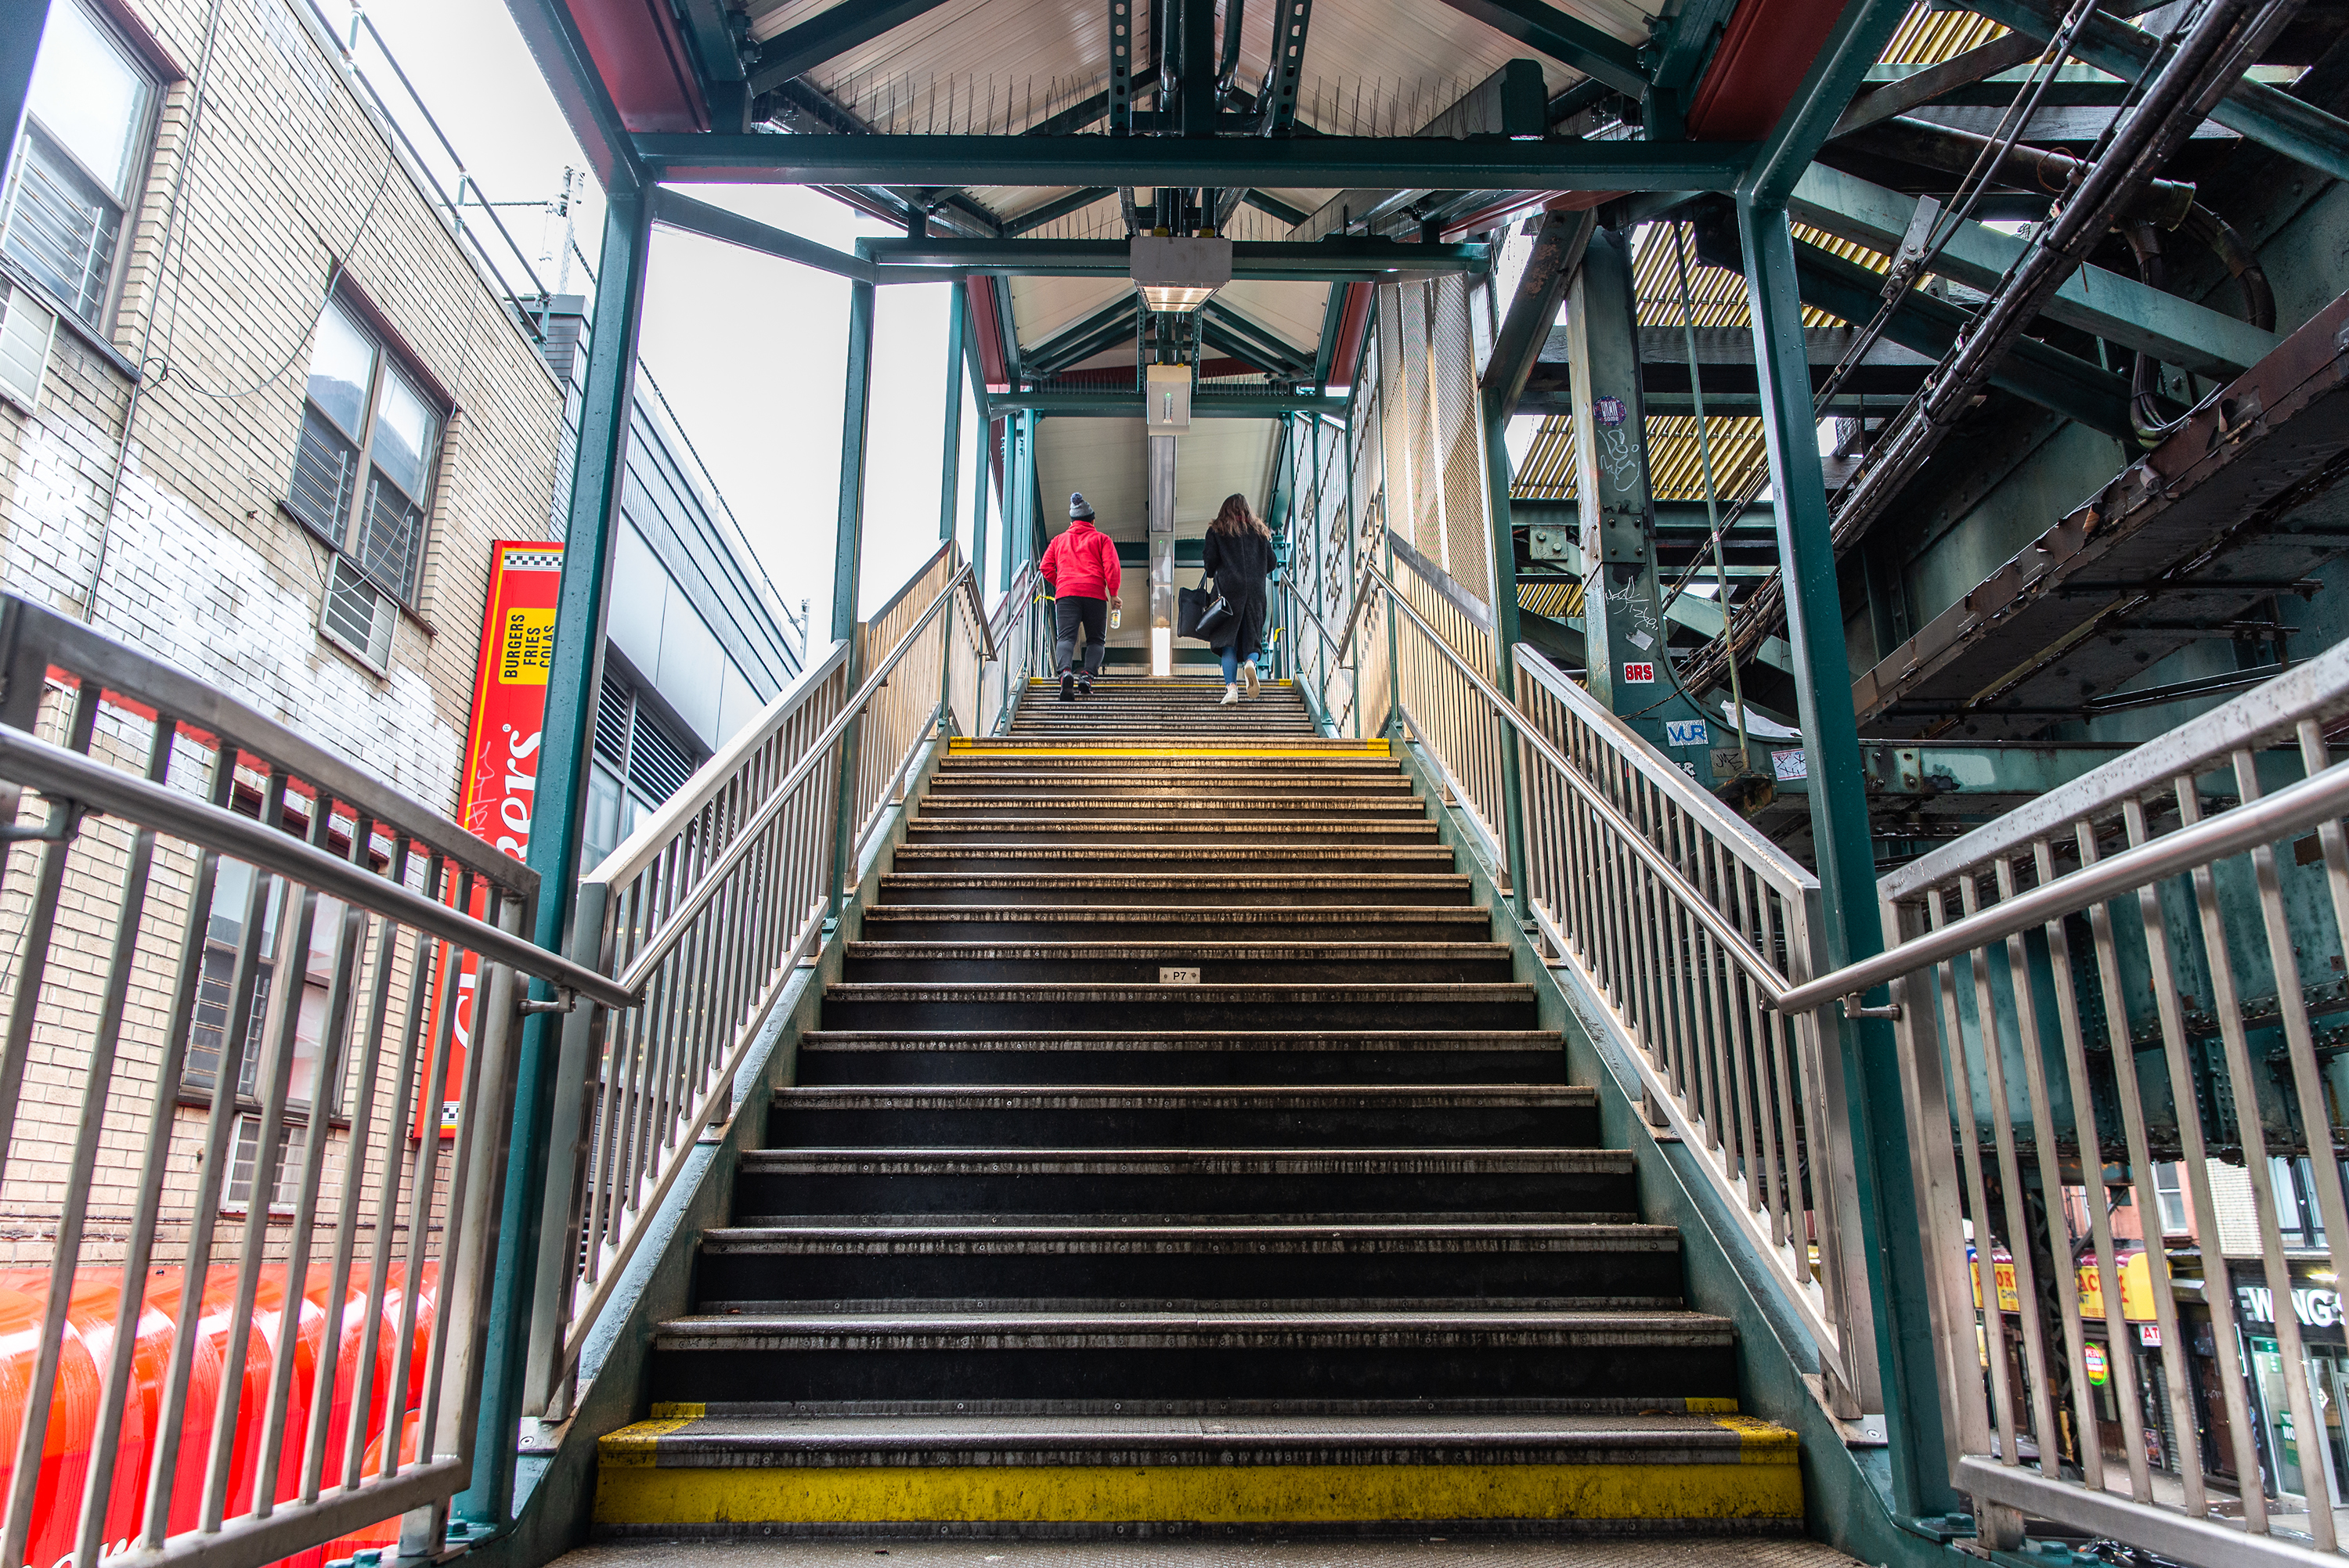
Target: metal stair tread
x=1211, y=990
x=1596, y=1326
x=1183, y=1096
x=1367, y=952
x=1236, y=1041
x=1301, y=1437
x=1113, y=1238
x=1367, y=1159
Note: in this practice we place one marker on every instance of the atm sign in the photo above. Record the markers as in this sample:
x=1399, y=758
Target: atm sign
x=1639, y=675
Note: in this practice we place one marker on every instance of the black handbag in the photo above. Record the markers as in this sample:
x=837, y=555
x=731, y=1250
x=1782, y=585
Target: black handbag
x=1200, y=612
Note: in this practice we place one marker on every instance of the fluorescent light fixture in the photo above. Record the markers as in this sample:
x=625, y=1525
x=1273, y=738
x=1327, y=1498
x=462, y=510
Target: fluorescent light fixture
x=1179, y=272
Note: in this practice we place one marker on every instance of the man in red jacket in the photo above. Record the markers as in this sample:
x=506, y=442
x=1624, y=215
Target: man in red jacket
x=1081, y=566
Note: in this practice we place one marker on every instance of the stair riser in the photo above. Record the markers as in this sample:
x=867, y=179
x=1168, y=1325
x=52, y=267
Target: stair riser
x=1238, y=1279
x=1123, y=838
x=1145, y=970
x=1396, y=1368
x=1176, y=774
x=1176, y=1013
x=819, y=1067
x=1092, y=925
x=767, y=1194
x=1457, y=1126
x=1060, y=813
x=1436, y=892
x=1262, y=858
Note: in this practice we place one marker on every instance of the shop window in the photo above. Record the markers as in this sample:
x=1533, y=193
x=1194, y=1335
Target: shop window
x=362, y=478
x=2297, y=1216
x=285, y=1183
x=74, y=171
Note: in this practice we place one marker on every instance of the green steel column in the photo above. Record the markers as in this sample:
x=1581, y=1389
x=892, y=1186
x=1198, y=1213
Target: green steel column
x=847, y=555
x=1622, y=611
x=566, y=753
x=979, y=508
x=1891, y=1238
x=1505, y=639
x=1010, y=499
x=952, y=458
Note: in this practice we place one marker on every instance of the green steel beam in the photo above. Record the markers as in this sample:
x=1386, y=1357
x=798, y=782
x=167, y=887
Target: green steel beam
x=1680, y=48
x=2118, y=309
x=1506, y=632
x=709, y=31
x=1567, y=39
x=1745, y=404
x=1525, y=331
x=1037, y=217
x=1899, y=1289
x=1294, y=361
x=563, y=58
x=674, y=209
x=828, y=36
x=1347, y=261
x=1195, y=71
x=952, y=441
x=1332, y=162
x=2267, y=116
x=2069, y=385
x=2074, y=86
x=1118, y=312
x=1249, y=351
x=1273, y=207
x=1128, y=405
x=1855, y=43
x=517, y=1296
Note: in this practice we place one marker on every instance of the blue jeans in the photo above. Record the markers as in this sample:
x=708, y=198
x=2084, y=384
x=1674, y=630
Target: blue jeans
x=1232, y=664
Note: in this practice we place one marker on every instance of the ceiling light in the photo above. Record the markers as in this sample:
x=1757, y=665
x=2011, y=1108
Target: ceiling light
x=1179, y=272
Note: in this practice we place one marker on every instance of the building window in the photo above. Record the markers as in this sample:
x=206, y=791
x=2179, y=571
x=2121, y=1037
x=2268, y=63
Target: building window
x=639, y=763
x=2169, y=1197
x=223, y=933
x=77, y=161
x=286, y=1182
x=362, y=478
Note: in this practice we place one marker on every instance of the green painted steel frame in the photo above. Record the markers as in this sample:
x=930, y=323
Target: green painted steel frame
x=1898, y=1288
x=1335, y=162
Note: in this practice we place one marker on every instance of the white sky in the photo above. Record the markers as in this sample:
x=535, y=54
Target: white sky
x=751, y=351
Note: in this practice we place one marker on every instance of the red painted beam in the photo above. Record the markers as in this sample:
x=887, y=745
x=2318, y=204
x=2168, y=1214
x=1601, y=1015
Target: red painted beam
x=1351, y=321
x=994, y=365
x=640, y=53
x=1762, y=60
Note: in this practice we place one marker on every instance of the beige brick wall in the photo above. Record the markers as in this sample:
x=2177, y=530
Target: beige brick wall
x=284, y=186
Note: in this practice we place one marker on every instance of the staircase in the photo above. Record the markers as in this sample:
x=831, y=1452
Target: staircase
x=1179, y=1154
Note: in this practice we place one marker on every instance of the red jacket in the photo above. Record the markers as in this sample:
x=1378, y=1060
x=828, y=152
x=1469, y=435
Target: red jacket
x=1082, y=563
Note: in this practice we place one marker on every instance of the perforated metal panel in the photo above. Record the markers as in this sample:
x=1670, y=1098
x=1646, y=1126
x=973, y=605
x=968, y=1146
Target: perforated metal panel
x=1458, y=425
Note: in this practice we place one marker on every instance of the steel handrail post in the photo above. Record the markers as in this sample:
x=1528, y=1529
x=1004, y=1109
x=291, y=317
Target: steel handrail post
x=598, y=478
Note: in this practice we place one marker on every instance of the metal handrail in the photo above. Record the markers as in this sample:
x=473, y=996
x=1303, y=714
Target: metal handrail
x=353, y=977
x=1721, y=931
x=632, y=857
x=2321, y=798
x=65, y=775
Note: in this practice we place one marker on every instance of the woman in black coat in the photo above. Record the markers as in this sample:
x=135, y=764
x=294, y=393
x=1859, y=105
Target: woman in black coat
x=1238, y=556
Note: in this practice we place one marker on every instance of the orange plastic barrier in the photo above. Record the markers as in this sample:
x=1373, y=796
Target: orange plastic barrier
x=88, y=1348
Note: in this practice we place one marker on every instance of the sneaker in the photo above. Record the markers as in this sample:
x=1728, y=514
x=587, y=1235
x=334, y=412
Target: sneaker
x=1248, y=676
x=1231, y=696
x=1068, y=686
x=1085, y=684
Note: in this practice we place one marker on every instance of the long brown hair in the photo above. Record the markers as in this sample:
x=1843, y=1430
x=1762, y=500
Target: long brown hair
x=1235, y=520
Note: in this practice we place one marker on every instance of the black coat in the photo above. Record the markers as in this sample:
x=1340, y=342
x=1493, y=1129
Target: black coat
x=1239, y=567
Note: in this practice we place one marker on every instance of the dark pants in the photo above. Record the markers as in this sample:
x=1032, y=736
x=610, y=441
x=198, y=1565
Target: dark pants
x=1093, y=614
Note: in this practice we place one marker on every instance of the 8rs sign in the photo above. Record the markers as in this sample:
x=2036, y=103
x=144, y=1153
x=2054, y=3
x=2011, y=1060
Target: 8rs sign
x=1639, y=675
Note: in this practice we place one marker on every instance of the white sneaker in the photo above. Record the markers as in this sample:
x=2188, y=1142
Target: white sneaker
x=1248, y=676
x=1231, y=696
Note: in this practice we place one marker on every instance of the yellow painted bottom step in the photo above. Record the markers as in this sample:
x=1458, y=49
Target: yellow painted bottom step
x=1728, y=1474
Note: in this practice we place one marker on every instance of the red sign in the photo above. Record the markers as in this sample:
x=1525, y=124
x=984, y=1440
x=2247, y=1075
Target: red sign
x=1639, y=675
x=501, y=784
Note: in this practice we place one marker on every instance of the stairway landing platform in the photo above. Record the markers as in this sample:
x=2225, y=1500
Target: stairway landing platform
x=1436, y=1551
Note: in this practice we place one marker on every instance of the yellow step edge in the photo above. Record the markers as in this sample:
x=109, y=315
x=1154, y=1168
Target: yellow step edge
x=1749, y=1493
x=964, y=746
